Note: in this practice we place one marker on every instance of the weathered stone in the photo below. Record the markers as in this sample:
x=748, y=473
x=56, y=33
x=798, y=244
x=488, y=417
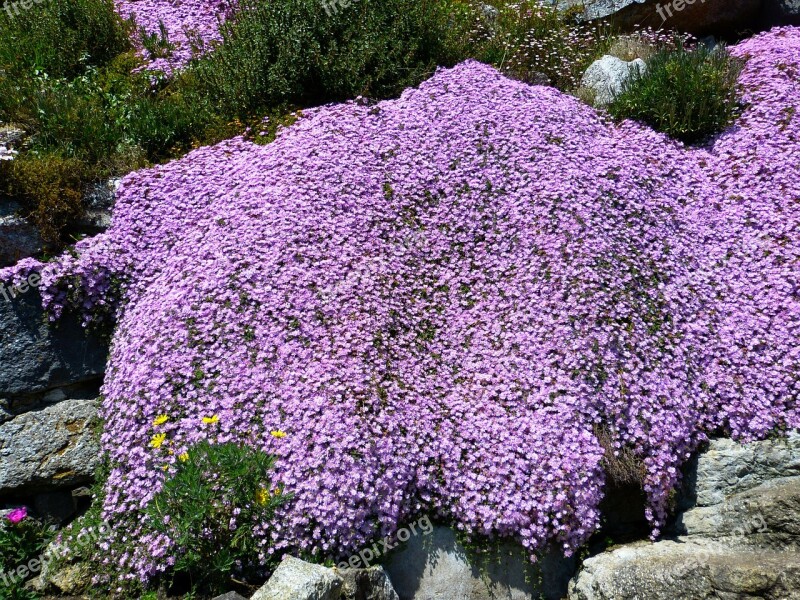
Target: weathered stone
x=607, y=76
x=49, y=449
x=366, y=584
x=699, y=17
x=767, y=515
x=230, y=596
x=295, y=579
x=37, y=356
x=688, y=570
x=438, y=566
x=728, y=467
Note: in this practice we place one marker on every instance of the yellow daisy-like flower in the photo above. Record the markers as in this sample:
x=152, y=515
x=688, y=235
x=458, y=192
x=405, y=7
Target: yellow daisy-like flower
x=278, y=434
x=211, y=420
x=158, y=440
x=262, y=496
x=160, y=420
x=183, y=457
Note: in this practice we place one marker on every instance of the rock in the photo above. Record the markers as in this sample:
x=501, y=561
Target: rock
x=18, y=238
x=366, y=584
x=668, y=570
x=36, y=356
x=10, y=137
x=49, y=449
x=606, y=77
x=728, y=467
x=71, y=579
x=699, y=17
x=767, y=516
x=739, y=537
x=230, y=596
x=295, y=579
x=98, y=202
x=438, y=566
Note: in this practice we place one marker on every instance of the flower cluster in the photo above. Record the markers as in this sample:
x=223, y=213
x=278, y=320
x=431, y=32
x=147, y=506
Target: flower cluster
x=430, y=304
x=189, y=25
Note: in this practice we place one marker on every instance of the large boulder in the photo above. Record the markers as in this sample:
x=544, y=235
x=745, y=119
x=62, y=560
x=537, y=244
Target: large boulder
x=438, y=566
x=37, y=356
x=49, y=449
x=668, y=570
x=699, y=17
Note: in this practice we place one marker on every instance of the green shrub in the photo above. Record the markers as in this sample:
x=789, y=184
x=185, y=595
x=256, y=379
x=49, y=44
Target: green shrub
x=59, y=37
x=20, y=542
x=294, y=52
x=209, y=509
x=689, y=94
x=50, y=188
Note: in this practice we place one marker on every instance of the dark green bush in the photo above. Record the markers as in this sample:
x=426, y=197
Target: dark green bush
x=294, y=52
x=689, y=94
x=209, y=508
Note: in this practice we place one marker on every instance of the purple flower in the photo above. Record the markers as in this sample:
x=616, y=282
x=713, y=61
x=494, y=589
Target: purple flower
x=17, y=515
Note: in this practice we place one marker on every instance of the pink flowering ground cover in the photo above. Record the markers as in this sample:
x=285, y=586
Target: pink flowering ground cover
x=185, y=21
x=441, y=299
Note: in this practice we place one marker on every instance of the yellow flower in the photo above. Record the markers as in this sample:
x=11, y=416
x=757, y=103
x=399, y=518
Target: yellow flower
x=158, y=439
x=160, y=420
x=278, y=434
x=211, y=420
x=262, y=496
x=165, y=467
x=183, y=457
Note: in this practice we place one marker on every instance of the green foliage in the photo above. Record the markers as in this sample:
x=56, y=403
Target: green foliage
x=19, y=544
x=50, y=187
x=689, y=94
x=536, y=43
x=294, y=52
x=210, y=507
x=59, y=37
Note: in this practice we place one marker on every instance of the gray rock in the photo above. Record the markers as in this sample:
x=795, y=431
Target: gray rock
x=437, y=566
x=668, y=570
x=366, y=584
x=18, y=239
x=728, y=467
x=699, y=17
x=230, y=596
x=98, y=201
x=606, y=77
x=295, y=579
x=767, y=515
x=10, y=137
x=37, y=356
x=49, y=449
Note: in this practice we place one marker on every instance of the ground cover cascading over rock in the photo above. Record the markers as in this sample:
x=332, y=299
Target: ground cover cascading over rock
x=436, y=304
